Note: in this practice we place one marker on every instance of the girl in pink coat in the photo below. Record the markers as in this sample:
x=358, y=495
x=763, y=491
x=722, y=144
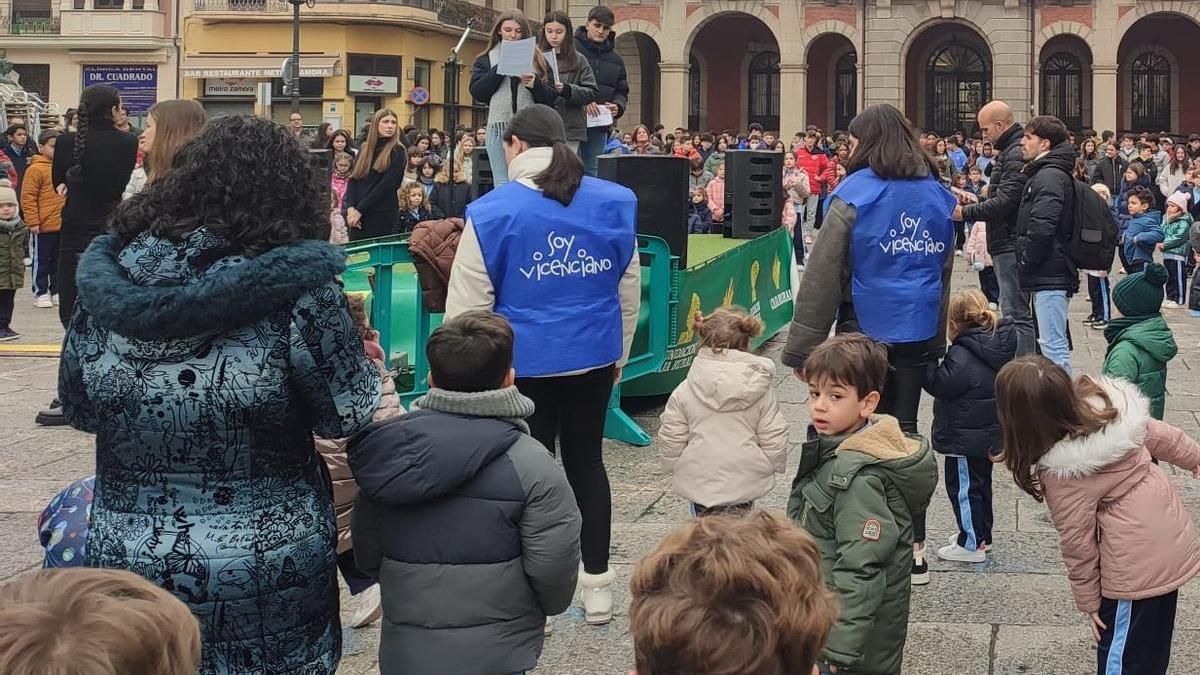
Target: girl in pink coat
x=1090, y=448
x=723, y=436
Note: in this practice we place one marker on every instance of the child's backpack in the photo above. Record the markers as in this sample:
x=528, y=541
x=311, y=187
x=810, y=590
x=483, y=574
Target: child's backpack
x=1093, y=243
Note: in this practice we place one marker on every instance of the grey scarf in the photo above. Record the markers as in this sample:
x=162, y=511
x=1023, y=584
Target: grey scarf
x=506, y=404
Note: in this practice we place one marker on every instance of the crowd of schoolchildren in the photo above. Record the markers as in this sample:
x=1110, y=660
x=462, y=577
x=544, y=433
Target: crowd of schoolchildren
x=737, y=589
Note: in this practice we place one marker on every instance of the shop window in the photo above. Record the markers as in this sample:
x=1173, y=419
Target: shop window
x=310, y=87
x=373, y=64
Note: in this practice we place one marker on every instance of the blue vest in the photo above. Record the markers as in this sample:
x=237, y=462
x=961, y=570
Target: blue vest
x=556, y=271
x=900, y=240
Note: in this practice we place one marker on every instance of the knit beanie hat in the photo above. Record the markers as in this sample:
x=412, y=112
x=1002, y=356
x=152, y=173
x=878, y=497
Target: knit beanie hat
x=7, y=194
x=1141, y=294
x=1179, y=199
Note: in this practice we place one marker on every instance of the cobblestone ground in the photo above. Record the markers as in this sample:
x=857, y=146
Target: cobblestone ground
x=1012, y=614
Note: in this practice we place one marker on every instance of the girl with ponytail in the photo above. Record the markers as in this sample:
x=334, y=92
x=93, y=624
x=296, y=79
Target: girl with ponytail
x=92, y=165
x=723, y=437
x=556, y=254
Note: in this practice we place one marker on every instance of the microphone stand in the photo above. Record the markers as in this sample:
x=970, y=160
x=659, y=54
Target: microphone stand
x=452, y=68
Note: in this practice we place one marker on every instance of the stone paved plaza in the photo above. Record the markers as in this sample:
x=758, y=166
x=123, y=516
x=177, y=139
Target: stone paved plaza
x=1012, y=615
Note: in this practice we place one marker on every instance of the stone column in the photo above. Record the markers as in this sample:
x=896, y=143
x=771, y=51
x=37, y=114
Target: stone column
x=673, y=94
x=1104, y=97
x=793, y=98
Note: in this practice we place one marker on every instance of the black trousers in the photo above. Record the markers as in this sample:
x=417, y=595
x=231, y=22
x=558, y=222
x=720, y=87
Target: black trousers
x=71, y=244
x=1135, y=266
x=1176, y=279
x=45, y=263
x=1137, y=640
x=969, y=487
x=900, y=398
x=356, y=580
x=1194, y=294
x=989, y=284
x=7, y=301
x=1100, y=293
x=571, y=409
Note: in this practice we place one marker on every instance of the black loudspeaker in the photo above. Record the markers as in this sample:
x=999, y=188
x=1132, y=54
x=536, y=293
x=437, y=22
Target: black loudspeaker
x=661, y=186
x=481, y=173
x=753, y=192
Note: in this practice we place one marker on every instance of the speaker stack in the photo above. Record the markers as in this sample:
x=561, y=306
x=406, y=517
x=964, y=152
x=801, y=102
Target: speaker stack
x=753, y=193
x=481, y=174
x=661, y=185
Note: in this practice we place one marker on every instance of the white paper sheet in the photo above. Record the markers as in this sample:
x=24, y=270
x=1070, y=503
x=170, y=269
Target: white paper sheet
x=604, y=119
x=552, y=61
x=516, y=57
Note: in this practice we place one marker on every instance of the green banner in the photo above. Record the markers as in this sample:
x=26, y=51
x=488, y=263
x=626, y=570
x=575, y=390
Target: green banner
x=756, y=275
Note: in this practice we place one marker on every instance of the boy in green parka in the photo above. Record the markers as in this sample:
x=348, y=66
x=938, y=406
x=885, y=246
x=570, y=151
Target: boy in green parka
x=1176, y=226
x=1139, y=341
x=860, y=480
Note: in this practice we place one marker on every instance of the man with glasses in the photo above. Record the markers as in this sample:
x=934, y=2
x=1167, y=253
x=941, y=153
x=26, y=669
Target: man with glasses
x=595, y=40
x=999, y=211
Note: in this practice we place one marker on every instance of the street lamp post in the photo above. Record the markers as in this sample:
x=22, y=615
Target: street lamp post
x=294, y=87
x=452, y=69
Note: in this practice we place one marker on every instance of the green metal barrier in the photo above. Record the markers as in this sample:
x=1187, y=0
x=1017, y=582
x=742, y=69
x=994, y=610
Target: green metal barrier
x=382, y=268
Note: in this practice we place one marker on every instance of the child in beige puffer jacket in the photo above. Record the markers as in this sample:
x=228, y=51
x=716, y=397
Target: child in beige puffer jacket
x=1089, y=447
x=723, y=436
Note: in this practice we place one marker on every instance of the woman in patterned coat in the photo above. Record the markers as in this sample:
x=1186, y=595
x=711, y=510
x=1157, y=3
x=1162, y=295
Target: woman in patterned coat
x=210, y=342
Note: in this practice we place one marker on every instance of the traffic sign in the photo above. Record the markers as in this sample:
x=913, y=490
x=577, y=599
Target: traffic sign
x=419, y=96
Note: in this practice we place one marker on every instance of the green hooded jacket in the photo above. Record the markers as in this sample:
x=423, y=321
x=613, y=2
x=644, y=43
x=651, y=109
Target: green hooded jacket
x=1139, y=352
x=1175, y=234
x=855, y=495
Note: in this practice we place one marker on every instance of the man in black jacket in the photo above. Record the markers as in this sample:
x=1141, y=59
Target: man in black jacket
x=1110, y=169
x=595, y=40
x=1044, y=227
x=999, y=211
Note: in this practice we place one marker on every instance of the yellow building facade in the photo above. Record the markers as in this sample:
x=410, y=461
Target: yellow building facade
x=355, y=58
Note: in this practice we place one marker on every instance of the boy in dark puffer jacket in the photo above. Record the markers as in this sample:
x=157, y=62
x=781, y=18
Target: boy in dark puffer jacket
x=467, y=521
x=966, y=428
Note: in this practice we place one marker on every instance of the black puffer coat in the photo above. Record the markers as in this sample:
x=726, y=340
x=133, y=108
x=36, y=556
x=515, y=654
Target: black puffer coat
x=1044, y=223
x=608, y=67
x=999, y=210
x=964, y=389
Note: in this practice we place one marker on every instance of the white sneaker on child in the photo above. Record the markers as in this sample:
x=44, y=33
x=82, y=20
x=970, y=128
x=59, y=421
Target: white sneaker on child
x=920, y=569
x=43, y=302
x=368, y=608
x=597, y=596
x=956, y=553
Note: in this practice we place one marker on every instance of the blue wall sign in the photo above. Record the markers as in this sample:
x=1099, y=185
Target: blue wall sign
x=138, y=85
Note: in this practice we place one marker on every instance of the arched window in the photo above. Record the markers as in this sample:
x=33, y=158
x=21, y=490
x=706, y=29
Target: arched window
x=959, y=78
x=1062, y=89
x=693, y=94
x=845, y=91
x=764, y=90
x=1150, y=92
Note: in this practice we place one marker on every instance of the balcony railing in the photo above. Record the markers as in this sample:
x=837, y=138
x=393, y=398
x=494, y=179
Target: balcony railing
x=450, y=12
x=29, y=25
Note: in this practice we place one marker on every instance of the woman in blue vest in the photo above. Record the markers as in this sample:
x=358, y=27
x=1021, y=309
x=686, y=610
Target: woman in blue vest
x=555, y=253
x=888, y=241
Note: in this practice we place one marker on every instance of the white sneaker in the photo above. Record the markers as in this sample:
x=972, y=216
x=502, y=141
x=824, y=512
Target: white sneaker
x=549, y=629
x=597, y=596
x=956, y=553
x=993, y=306
x=920, y=569
x=43, y=302
x=28, y=262
x=54, y=299
x=983, y=547
x=368, y=609
x=1171, y=304
x=958, y=253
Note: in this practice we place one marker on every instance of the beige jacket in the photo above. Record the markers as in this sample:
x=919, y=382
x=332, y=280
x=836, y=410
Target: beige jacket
x=333, y=451
x=471, y=288
x=723, y=436
x=1122, y=529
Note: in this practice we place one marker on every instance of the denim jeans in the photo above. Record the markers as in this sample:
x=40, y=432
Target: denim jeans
x=811, y=206
x=591, y=150
x=495, y=148
x=1013, y=301
x=1051, y=310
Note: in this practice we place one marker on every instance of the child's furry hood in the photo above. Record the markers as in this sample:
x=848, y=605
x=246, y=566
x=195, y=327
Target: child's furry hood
x=1078, y=457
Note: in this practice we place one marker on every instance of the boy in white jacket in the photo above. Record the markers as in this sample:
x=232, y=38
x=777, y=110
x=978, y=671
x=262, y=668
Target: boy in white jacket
x=722, y=434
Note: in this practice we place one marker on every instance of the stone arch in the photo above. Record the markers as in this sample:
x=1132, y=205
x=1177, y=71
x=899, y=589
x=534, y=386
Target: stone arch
x=636, y=26
x=832, y=99
x=1125, y=118
x=1062, y=28
x=638, y=44
x=1063, y=88
x=710, y=11
x=914, y=94
x=823, y=28
x=1144, y=9
x=924, y=26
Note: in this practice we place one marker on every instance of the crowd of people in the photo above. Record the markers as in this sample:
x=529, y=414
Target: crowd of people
x=250, y=454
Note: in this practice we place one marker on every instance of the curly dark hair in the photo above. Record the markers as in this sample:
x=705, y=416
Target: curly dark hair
x=242, y=177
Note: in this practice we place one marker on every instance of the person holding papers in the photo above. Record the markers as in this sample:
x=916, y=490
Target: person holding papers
x=510, y=75
x=571, y=76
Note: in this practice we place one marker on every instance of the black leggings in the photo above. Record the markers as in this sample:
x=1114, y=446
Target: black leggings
x=572, y=409
x=900, y=398
x=71, y=245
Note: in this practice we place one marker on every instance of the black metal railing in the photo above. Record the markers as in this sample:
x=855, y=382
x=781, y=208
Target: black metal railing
x=29, y=25
x=459, y=12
